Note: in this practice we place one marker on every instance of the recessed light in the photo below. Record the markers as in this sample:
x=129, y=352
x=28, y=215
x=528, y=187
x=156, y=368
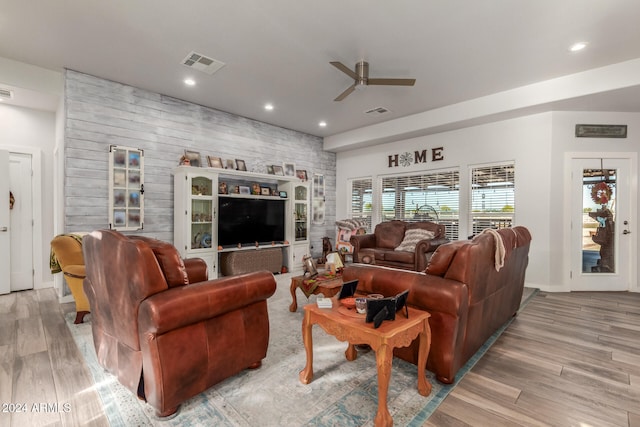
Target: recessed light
x=578, y=46
x=322, y=124
x=268, y=107
x=190, y=82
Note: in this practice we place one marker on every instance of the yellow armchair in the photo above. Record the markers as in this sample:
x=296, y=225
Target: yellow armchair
x=66, y=256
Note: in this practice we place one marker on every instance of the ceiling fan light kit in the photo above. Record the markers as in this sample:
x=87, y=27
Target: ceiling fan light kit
x=362, y=80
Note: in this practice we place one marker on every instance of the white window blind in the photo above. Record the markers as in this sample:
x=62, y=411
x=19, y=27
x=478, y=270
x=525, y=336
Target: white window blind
x=492, y=197
x=432, y=196
x=362, y=200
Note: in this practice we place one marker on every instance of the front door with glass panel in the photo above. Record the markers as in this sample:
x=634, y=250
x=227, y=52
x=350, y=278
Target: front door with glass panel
x=601, y=225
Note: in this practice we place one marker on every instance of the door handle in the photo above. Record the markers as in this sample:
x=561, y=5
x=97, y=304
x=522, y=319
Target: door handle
x=626, y=232
x=4, y=229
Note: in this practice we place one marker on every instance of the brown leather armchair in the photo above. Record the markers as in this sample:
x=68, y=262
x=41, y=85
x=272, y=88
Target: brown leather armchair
x=161, y=327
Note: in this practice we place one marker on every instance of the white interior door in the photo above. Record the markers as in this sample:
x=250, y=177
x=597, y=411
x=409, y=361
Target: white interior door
x=601, y=225
x=5, y=230
x=21, y=221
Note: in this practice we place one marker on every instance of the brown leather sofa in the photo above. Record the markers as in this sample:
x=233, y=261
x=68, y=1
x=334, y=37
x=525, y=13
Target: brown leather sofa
x=161, y=327
x=467, y=298
x=382, y=247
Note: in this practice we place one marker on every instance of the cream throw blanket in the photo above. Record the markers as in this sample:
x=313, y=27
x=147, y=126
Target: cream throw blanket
x=499, y=247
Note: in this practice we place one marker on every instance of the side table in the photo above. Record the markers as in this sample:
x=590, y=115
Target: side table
x=325, y=286
x=391, y=334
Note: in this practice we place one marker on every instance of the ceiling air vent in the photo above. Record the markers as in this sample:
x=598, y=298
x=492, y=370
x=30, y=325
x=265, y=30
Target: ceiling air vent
x=6, y=93
x=378, y=111
x=202, y=63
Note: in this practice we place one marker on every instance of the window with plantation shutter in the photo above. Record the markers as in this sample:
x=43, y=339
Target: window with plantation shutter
x=362, y=200
x=432, y=196
x=492, y=197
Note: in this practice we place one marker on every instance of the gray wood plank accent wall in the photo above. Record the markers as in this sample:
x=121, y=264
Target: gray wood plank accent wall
x=100, y=113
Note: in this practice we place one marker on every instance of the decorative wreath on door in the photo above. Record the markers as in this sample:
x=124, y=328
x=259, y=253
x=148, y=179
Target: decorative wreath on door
x=12, y=200
x=601, y=193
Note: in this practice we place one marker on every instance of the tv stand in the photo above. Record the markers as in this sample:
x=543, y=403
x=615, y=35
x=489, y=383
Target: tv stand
x=197, y=196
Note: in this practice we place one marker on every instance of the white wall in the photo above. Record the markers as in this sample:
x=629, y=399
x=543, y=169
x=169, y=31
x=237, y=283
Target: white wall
x=34, y=130
x=538, y=144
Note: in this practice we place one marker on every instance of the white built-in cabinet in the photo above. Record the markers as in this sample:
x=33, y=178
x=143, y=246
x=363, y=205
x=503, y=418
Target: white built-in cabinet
x=198, y=193
x=301, y=214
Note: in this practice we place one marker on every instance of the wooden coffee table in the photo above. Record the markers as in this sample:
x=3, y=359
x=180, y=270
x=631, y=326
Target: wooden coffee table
x=346, y=325
x=328, y=288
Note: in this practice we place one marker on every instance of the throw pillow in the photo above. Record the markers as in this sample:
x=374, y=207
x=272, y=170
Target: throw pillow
x=412, y=237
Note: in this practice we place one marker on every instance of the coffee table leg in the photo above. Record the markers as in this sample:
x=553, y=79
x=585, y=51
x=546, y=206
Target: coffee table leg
x=384, y=355
x=306, y=375
x=294, y=304
x=424, y=386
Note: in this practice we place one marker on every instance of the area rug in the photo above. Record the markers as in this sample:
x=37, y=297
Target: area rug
x=342, y=393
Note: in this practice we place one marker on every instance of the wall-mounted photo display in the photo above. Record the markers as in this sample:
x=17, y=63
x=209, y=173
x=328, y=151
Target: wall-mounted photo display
x=278, y=170
x=193, y=157
x=289, y=169
x=240, y=165
x=126, y=188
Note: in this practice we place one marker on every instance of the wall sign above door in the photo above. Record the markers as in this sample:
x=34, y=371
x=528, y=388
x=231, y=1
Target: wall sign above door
x=601, y=131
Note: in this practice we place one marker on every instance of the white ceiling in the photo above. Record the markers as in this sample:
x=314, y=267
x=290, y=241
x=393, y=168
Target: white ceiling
x=278, y=51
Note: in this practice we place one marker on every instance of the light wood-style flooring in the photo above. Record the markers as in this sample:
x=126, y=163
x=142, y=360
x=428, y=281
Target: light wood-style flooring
x=568, y=359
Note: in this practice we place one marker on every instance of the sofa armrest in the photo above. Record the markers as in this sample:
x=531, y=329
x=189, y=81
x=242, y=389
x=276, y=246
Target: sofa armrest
x=196, y=270
x=362, y=241
x=423, y=247
x=189, y=304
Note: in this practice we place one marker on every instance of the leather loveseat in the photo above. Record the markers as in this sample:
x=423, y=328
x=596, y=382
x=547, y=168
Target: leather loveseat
x=399, y=244
x=164, y=330
x=467, y=297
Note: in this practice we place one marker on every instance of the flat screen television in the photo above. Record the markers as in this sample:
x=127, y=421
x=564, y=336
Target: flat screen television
x=246, y=221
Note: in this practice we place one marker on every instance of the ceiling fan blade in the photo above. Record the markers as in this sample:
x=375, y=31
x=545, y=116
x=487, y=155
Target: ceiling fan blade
x=340, y=66
x=344, y=94
x=392, y=82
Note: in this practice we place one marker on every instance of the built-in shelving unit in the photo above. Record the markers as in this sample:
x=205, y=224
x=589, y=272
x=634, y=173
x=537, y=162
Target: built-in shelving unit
x=198, y=195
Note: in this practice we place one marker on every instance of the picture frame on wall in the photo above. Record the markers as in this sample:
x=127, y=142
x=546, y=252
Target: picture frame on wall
x=302, y=174
x=265, y=191
x=194, y=158
x=230, y=164
x=244, y=189
x=289, y=169
x=278, y=170
x=215, y=162
x=241, y=165
x=270, y=169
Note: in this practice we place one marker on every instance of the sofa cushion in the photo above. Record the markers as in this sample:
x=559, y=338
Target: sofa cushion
x=442, y=257
x=169, y=259
x=389, y=234
x=412, y=237
x=400, y=256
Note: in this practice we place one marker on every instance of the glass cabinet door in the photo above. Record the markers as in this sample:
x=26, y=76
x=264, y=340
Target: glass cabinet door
x=201, y=213
x=301, y=212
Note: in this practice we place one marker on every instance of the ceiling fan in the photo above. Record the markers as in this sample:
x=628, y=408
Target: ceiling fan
x=362, y=80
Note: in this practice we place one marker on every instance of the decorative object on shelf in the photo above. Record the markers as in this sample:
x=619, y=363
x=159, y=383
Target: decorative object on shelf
x=289, y=169
x=230, y=164
x=244, y=189
x=222, y=188
x=193, y=157
x=302, y=174
x=215, y=162
x=277, y=170
x=270, y=169
x=241, y=165
x=283, y=194
x=255, y=189
x=309, y=266
x=205, y=241
x=265, y=191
